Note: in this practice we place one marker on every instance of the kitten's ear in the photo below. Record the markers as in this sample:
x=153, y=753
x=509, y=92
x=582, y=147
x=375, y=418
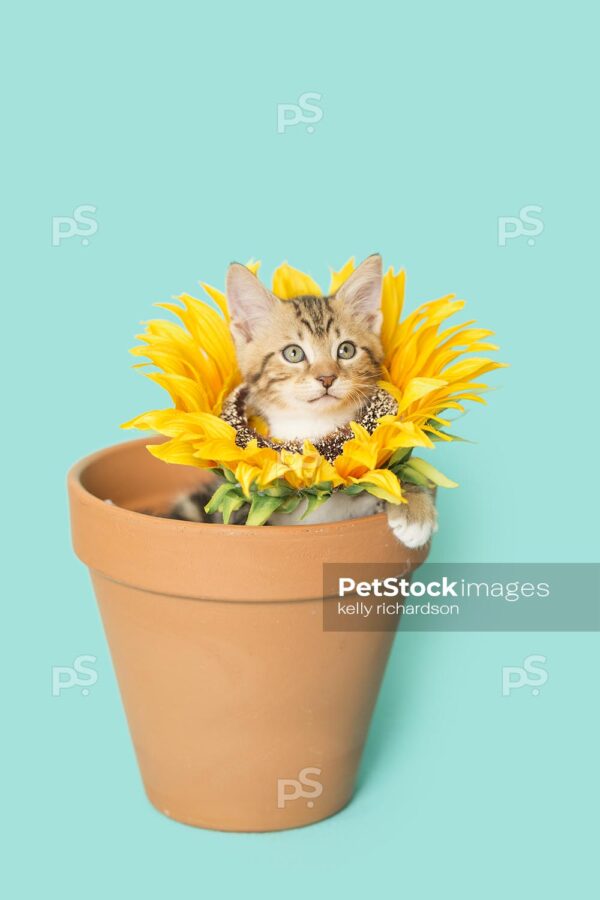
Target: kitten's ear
x=362, y=291
x=250, y=303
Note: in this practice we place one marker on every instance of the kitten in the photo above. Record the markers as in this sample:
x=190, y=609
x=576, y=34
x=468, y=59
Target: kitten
x=310, y=364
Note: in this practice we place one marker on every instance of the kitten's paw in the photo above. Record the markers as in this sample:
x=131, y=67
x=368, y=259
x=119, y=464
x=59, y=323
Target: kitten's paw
x=413, y=534
x=415, y=521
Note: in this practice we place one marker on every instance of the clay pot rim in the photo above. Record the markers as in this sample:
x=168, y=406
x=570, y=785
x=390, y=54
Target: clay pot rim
x=181, y=559
x=80, y=494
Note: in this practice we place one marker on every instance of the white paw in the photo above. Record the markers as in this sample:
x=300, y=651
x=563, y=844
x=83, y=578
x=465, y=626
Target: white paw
x=413, y=534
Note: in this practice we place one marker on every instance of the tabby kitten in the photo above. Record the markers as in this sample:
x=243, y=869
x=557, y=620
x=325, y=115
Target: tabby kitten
x=310, y=364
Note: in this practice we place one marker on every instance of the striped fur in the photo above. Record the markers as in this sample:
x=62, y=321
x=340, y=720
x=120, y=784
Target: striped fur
x=321, y=391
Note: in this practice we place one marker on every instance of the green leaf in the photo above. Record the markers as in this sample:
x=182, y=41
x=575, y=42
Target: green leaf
x=314, y=502
x=454, y=437
x=400, y=456
x=262, y=508
x=231, y=502
x=279, y=488
x=289, y=504
x=324, y=486
x=431, y=473
x=412, y=476
x=353, y=489
x=214, y=504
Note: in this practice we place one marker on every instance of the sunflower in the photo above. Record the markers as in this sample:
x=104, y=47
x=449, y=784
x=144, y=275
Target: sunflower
x=428, y=370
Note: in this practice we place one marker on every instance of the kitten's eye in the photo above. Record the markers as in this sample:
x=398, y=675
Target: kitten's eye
x=293, y=353
x=346, y=350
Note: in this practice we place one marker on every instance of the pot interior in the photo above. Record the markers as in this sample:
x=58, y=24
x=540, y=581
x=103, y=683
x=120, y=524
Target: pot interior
x=139, y=481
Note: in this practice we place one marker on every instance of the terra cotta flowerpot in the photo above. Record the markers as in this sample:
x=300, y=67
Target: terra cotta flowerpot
x=245, y=714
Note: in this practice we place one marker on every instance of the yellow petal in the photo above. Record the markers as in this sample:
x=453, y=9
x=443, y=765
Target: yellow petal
x=361, y=453
x=186, y=394
x=418, y=388
x=383, y=484
x=289, y=282
x=211, y=426
x=359, y=431
x=219, y=298
x=392, y=301
x=339, y=277
x=325, y=472
x=175, y=451
x=246, y=474
x=170, y=422
x=347, y=468
x=258, y=424
x=271, y=471
x=471, y=368
x=218, y=449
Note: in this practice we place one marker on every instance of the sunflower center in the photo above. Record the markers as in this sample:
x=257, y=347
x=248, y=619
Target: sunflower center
x=235, y=413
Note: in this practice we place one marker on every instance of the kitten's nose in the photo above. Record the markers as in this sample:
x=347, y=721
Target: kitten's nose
x=326, y=380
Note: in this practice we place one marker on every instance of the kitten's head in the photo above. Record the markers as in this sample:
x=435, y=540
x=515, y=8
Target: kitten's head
x=308, y=359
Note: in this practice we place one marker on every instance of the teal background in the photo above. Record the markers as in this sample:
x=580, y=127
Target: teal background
x=437, y=119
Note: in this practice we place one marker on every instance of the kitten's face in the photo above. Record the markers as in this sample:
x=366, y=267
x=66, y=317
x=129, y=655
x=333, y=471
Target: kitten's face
x=315, y=358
